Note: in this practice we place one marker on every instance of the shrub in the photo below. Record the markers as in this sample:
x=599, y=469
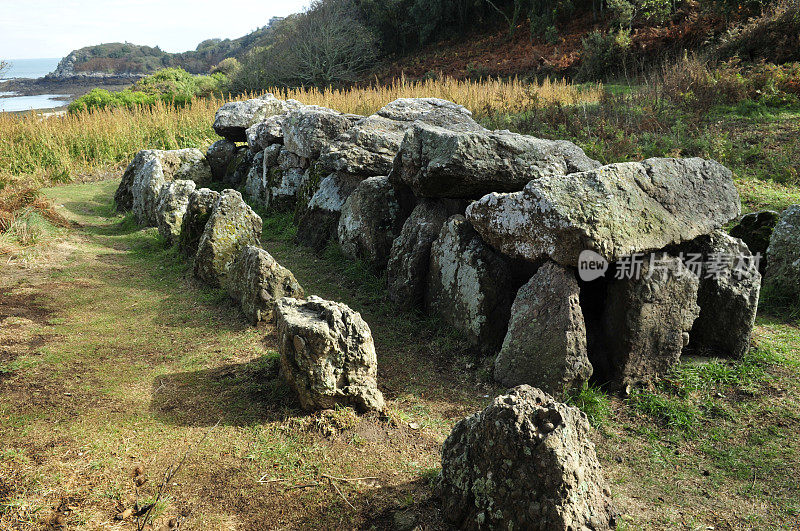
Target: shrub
x=604, y=54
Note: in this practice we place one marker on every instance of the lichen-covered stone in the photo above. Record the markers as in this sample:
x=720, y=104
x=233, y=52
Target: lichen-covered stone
x=267, y=133
x=284, y=175
x=439, y=162
x=728, y=295
x=255, y=185
x=320, y=221
x=219, y=155
x=410, y=255
x=257, y=281
x=231, y=226
x=198, y=210
x=545, y=345
x=524, y=462
x=782, y=281
x=171, y=207
x=370, y=220
x=754, y=230
x=238, y=167
x=327, y=354
x=234, y=118
x=616, y=210
x=469, y=285
x=648, y=319
x=308, y=129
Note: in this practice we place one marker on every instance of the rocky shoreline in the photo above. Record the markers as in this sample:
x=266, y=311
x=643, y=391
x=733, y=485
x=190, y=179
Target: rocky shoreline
x=70, y=87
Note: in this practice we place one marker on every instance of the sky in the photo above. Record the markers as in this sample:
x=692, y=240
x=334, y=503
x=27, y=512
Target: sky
x=32, y=29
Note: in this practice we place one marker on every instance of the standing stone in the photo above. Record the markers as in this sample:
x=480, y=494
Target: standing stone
x=234, y=118
x=238, y=167
x=172, y=202
x=469, y=285
x=231, y=226
x=439, y=162
x=755, y=230
x=255, y=185
x=284, y=178
x=371, y=219
x=320, y=221
x=219, y=155
x=198, y=210
x=524, y=462
x=648, y=319
x=782, y=282
x=123, y=197
x=545, y=345
x=307, y=130
x=327, y=354
x=256, y=281
x=616, y=210
x=410, y=256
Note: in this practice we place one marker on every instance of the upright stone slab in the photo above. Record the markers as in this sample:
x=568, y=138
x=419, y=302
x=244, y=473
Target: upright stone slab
x=198, y=210
x=123, y=197
x=545, y=345
x=284, y=179
x=524, y=462
x=648, y=319
x=371, y=219
x=615, y=210
x=238, y=167
x=255, y=185
x=728, y=295
x=219, y=155
x=469, y=285
x=327, y=354
x=234, y=118
x=320, y=221
x=171, y=207
x=410, y=256
x=782, y=281
x=232, y=226
x=439, y=162
x=256, y=281
x=754, y=230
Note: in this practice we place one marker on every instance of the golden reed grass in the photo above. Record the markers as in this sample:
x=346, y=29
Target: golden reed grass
x=66, y=148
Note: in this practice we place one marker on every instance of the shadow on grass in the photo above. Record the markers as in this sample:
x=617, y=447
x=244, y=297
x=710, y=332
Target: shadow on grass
x=236, y=395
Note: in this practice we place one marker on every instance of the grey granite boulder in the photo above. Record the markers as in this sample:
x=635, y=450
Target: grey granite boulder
x=171, y=207
x=369, y=147
x=198, y=210
x=284, y=178
x=256, y=281
x=728, y=295
x=255, y=185
x=370, y=220
x=615, y=210
x=439, y=162
x=754, y=230
x=123, y=197
x=410, y=255
x=647, y=320
x=545, y=345
x=469, y=285
x=234, y=118
x=264, y=134
x=319, y=222
x=327, y=354
x=232, y=226
x=238, y=168
x=219, y=156
x=782, y=280
x=308, y=129
x=524, y=462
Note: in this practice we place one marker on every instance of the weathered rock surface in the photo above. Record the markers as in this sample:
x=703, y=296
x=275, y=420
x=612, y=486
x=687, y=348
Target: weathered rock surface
x=410, y=255
x=439, y=162
x=123, y=197
x=219, y=155
x=755, y=230
x=783, y=258
x=728, y=295
x=307, y=130
x=264, y=134
x=615, y=210
x=371, y=219
x=469, y=285
x=524, y=462
x=231, y=226
x=171, y=207
x=234, y=118
x=647, y=320
x=257, y=281
x=545, y=345
x=369, y=147
x=198, y=210
x=320, y=221
x=238, y=167
x=255, y=185
x=327, y=354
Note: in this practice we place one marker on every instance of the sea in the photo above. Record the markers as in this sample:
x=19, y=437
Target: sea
x=29, y=69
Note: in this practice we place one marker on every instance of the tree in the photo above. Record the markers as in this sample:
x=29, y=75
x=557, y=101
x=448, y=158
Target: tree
x=4, y=67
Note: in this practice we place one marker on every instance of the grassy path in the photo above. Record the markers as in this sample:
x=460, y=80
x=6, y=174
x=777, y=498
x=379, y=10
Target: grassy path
x=111, y=356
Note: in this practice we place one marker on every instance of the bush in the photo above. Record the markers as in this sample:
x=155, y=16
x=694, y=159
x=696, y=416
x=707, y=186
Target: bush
x=771, y=36
x=604, y=54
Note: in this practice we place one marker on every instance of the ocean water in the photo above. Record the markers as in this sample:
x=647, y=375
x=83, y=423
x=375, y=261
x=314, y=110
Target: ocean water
x=30, y=68
x=27, y=103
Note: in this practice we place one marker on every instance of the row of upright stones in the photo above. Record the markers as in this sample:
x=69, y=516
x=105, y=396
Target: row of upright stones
x=484, y=229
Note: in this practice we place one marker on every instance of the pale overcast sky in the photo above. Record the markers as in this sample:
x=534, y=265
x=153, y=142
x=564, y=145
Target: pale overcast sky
x=52, y=28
